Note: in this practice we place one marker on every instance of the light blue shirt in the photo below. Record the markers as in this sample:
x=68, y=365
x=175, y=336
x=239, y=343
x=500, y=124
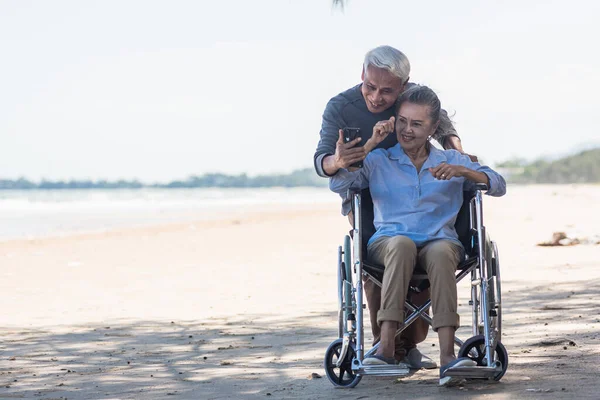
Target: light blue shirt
x=413, y=204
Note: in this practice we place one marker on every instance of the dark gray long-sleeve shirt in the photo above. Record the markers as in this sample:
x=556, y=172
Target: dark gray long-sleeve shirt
x=348, y=109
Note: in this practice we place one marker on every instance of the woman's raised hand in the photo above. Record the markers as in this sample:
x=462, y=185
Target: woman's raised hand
x=382, y=129
x=380, y=132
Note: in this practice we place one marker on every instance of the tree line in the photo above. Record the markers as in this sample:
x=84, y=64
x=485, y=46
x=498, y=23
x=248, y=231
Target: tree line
x=303, y=177
x=583, y=167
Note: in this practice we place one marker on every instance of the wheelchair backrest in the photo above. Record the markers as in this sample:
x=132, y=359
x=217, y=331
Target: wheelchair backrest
x=462, y=224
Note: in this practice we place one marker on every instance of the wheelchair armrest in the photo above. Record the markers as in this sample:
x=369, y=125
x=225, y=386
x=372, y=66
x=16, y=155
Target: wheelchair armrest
x=351, y=192
x=480, y=186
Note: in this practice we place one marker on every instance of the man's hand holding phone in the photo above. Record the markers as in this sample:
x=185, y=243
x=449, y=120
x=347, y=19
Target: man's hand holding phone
x=347, y=152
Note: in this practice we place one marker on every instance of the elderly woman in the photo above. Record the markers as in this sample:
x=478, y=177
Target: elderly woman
x=417, y=192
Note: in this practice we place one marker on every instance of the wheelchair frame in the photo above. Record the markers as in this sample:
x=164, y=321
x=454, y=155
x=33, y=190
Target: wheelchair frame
x=343, y=358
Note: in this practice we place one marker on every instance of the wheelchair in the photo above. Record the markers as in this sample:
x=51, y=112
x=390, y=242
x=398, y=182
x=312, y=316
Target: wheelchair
x=344, y=356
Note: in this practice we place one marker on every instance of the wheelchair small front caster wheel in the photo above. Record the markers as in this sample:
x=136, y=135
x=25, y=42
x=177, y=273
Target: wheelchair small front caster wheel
x=474, y=348
x=341, y=376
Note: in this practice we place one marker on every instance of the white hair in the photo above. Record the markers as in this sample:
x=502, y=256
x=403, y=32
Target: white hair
x=390, y=59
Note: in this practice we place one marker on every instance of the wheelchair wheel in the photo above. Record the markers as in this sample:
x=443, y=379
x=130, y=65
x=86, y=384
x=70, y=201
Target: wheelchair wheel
x=342, y=376
x=474, y=348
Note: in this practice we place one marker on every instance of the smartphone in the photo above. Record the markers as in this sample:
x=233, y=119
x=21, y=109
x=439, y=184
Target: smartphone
x=349, y=135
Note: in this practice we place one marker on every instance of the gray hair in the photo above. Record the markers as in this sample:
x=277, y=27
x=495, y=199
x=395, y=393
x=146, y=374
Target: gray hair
x=423, y=96
x=389, y=58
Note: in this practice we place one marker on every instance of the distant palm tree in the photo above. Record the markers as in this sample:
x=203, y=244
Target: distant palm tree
x=339, y=3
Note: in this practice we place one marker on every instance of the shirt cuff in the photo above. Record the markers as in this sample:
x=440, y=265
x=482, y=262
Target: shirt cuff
x=496, y=186
x=319, y=165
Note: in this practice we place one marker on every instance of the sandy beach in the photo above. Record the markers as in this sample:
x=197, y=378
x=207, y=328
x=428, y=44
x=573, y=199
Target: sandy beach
x=244, y=305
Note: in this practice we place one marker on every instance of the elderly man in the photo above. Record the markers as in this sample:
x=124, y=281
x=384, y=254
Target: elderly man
x=385, y=76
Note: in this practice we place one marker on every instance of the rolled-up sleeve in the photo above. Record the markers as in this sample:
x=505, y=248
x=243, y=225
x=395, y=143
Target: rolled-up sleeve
x=344, y=180
x=329, y=136
x=319, y=164
x=497, y=184
x=359, y=179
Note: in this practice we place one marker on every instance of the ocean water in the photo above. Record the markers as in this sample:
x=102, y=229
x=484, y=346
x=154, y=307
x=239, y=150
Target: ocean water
x=38, y=213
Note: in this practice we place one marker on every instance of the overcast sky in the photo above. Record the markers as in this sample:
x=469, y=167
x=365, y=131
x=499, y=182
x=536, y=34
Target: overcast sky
x=160, y=90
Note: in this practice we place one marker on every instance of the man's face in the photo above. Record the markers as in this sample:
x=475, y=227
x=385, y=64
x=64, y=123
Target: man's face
x=380, y=88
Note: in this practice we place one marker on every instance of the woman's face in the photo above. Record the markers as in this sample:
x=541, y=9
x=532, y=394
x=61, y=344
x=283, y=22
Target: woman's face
x=414, y=126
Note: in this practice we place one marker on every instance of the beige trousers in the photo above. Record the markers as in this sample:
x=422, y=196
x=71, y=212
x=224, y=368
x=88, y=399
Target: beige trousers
x=400, y=255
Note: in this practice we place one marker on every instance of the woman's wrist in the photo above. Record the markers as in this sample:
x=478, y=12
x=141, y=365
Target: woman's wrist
x=369, y=146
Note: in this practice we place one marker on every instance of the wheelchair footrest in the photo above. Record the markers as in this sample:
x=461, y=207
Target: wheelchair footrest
x=474, y=372
x=383, y=370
